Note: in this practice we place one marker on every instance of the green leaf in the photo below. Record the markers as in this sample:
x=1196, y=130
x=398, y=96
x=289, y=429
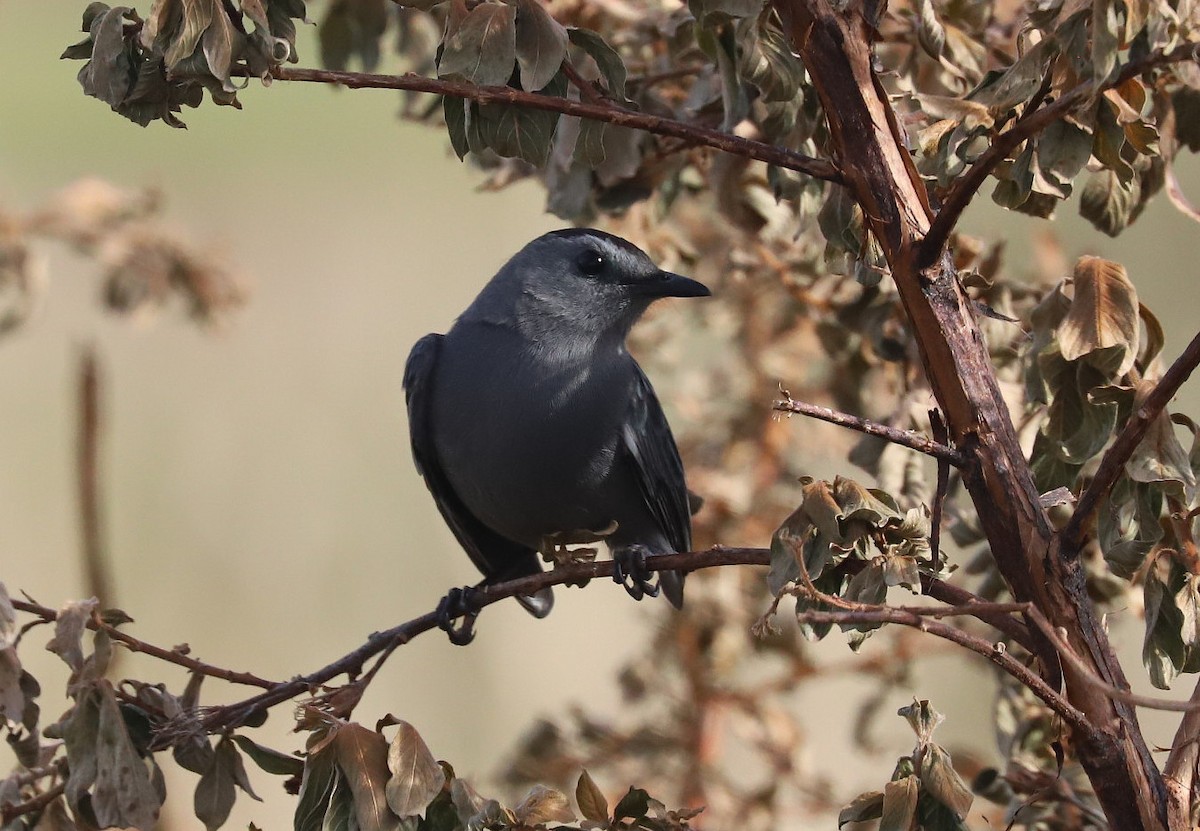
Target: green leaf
x=541, y=44
x=765, y=59
x=416, y=776
x=483, y=47
x=519, y=132
x=590, y=799
x=613, y=152
x=711, y=13
x=318, y=783
x=633, y=805
x=611, y=67
x=455, y=112
x=216, y=792
x=1107, y=203
x=271, y=761
x=1159, y=457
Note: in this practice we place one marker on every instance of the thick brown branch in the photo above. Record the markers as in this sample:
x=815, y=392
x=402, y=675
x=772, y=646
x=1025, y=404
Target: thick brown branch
x=133, y=644
x=834, y=39
x=1113, y=461
x=607, y=112
x=1179, y=772
x=906, y=438
x=1028, y=125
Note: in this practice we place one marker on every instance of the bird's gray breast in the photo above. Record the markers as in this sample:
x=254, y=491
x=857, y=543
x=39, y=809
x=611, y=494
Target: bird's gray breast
x=529, y=437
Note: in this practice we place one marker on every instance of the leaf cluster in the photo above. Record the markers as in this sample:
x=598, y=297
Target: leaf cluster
x=925, y=792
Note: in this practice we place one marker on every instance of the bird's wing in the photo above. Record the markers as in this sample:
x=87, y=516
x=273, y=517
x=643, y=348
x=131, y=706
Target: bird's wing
x=647, y=439
x=499, y=558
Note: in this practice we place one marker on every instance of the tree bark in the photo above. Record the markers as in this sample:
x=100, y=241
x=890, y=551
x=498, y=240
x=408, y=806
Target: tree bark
x=834, y=39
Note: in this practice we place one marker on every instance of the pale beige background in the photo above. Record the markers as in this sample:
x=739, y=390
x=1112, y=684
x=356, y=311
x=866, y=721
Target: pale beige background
x=260, y=499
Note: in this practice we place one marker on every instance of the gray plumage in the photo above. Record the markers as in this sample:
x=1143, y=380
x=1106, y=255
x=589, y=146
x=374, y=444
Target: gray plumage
x=530, y=417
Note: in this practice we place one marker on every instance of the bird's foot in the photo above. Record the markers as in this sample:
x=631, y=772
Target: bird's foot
x=459, y=603
x=554, y=548
x=629, y=569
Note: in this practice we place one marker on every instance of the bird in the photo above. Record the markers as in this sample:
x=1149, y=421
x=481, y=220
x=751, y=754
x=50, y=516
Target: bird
x=530, y=422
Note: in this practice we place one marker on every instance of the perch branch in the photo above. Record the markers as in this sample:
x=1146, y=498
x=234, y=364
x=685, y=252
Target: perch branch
x=233, y=715
x=1113, y=461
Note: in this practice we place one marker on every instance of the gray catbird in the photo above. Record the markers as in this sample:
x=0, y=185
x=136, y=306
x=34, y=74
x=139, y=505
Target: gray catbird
x=530, y=421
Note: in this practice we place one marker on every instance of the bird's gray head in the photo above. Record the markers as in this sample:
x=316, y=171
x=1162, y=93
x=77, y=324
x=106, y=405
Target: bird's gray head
x=579, y=279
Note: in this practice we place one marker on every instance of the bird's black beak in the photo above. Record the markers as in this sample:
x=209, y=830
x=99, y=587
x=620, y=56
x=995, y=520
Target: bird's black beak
x=666, y=284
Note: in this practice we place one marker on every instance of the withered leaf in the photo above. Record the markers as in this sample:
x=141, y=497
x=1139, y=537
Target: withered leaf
x=416, y=776
x=865, y=807
x=67, y=642
x=105, y=765
x=899, y=804
x=1103, y=313
x=922, y=718
x=363, y=758
x=12, y=699
x=941, y=780
x=590, y=798
x=543, y=805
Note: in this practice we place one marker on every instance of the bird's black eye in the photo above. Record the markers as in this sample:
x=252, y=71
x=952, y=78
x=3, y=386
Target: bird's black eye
x=591, y=262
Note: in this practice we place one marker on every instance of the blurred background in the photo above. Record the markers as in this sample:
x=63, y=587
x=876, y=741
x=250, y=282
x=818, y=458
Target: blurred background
x=259, y=501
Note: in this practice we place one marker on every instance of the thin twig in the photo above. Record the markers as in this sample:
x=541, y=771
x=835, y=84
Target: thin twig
x=1089, y=677
x=133, y=644
x=607, y=112
x=906, y=438
x=1113, y=461
x=919, y=618
x=941, y=434
x=10, y=812
x=95, y=561
x=1028, y=125
x=586, y=90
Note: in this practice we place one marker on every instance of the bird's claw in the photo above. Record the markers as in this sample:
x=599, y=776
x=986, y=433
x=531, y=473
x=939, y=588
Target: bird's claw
x=459, y=603
x=629, y=569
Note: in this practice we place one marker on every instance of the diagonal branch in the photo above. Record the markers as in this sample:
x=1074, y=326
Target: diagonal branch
x=1027, y=126
x=1113, y=461
x=605, y=111
x=906, y=438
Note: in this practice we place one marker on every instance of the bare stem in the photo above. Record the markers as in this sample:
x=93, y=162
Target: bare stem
x=906, y=438
x=1126, y=442
x=605, y=111
x=133, y=644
